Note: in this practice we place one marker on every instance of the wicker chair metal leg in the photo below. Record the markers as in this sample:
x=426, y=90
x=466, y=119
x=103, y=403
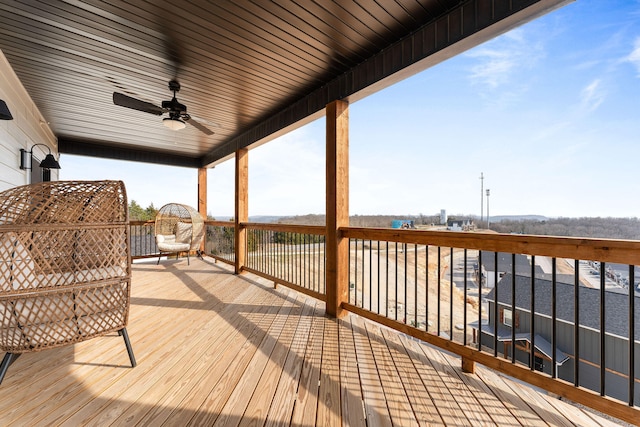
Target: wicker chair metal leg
x=8, y=359
x=124, y=334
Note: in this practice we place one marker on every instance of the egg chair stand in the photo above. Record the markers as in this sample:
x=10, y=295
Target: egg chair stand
x=178, y=228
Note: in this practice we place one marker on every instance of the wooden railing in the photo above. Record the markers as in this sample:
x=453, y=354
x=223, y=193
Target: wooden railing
x=142, y=239
x=440, y=287
x=289, y=255
x=219, y=241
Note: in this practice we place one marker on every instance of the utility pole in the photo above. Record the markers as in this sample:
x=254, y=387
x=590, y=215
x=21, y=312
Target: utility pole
x=481, y=196
x=488, y=222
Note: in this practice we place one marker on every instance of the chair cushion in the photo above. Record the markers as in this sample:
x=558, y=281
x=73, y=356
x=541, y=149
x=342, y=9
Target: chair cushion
x=183, y=232
x=168, y=238
x=173, y=247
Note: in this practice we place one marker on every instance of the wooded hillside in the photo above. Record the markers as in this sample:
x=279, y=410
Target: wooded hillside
x=607, y=228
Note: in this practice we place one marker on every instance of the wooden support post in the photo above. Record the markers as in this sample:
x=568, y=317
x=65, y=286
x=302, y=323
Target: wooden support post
x=241, y=206
x=468, y=366
x=202, y=197
x=337, y=205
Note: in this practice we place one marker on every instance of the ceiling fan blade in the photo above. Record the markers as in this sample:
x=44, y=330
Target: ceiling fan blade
x=135, y=104
x=205, y=121
x=199, y=126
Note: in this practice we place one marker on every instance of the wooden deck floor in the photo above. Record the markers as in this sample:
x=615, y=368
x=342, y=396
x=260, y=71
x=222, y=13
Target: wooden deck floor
x=218, y=349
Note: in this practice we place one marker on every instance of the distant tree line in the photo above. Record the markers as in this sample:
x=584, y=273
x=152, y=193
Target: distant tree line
x=289, y=238
x=381, y=221
x=606, y=228
x=137, y=213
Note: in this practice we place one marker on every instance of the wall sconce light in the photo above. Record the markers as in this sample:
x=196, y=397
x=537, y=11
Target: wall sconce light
x=4, y=111
x=49, y=161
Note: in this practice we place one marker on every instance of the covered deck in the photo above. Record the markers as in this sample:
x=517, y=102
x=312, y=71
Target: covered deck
x=215, y=348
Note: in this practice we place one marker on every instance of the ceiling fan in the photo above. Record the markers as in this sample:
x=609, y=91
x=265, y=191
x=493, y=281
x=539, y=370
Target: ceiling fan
x=178, y=116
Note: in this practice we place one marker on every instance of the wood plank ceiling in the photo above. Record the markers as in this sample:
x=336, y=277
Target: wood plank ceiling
x=248, y=69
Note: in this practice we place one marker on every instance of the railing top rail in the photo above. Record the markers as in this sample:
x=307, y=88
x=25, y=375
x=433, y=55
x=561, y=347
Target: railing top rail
x=304, y=229
x=142, y=222
x=607, y=250
x=219, y=223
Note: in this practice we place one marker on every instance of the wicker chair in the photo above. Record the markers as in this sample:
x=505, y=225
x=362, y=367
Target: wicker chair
x=179, y=228
x=65, y=265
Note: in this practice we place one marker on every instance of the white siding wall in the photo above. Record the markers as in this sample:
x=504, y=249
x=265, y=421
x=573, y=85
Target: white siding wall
x=27, y=128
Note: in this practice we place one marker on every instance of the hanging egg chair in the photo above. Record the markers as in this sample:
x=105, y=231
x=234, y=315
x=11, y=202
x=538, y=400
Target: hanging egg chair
x=179, y=228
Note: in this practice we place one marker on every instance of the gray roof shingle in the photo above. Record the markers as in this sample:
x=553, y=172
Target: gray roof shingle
x=616, y=303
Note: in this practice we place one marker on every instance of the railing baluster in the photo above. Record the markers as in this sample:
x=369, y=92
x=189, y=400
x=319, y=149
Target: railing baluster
x=370, y=276
x=632, y=334
x=513, y=308
x=386, y=257
x=395, y=297
x=439, y=288
x=363, y=275
x=554, y=325
x=415, y=285
x=355, y=271
x=576, y=324
x=496, y=319
x=307, y=260
x=464, y=302
x=406, y=278
x=322, y=260
x=352, y=301
x=479, y=280
x=290, y=254
x=379, y=297
x=602, y=329
x=451, y=294
x=299, y=258
x=426, y=288
x=532, y=320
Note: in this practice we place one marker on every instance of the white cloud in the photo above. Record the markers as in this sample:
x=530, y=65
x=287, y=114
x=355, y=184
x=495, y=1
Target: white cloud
x=494, y=69
x=634, y=56
x=500, y=59
x=592, y=96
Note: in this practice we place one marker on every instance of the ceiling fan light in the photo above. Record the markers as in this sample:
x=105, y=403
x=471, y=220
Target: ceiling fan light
x=173, y=124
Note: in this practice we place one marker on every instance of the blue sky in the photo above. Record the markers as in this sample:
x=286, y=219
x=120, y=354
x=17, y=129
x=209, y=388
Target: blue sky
x=549, y=112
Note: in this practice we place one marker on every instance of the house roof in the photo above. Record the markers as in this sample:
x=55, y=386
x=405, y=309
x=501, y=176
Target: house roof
x=616, y=303
x=541, y=344
x=523, y=264
x=249, y=71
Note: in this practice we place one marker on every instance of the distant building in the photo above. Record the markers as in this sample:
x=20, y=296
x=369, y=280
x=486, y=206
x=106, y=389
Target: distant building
x=403, y=223
x=616, y=326
x=461, y=225
x=443, y=216
x=490, y=269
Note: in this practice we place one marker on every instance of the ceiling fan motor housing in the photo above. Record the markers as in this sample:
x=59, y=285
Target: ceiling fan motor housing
x=174, y=106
